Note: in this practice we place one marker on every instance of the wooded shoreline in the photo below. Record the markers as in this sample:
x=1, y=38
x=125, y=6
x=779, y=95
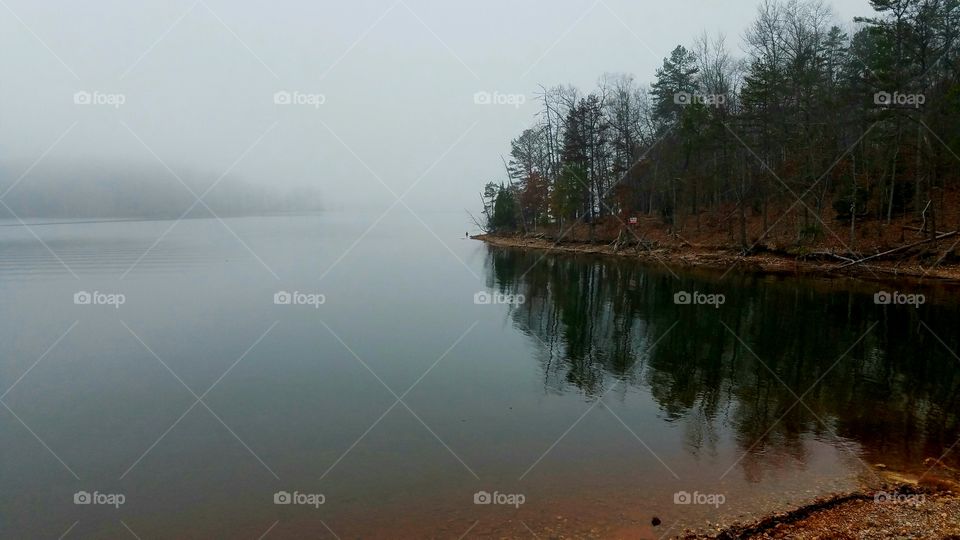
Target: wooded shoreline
x=823, y=148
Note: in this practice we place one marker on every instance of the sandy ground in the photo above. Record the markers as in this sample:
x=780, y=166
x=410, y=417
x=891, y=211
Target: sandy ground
x=938, y=516
x=924, y=504
x=903, y=512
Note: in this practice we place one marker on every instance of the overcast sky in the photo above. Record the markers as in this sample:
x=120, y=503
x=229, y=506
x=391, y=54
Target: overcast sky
x=197, y=81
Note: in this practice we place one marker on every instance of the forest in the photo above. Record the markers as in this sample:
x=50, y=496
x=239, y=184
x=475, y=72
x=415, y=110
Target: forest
x=808, y=129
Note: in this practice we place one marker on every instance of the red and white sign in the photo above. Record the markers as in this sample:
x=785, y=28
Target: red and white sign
x=633, y=221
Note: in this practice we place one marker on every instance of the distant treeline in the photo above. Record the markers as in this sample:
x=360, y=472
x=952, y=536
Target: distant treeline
x=138, y=191
x=859, y=124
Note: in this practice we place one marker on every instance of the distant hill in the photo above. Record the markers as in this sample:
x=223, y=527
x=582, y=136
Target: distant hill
x=117, y=190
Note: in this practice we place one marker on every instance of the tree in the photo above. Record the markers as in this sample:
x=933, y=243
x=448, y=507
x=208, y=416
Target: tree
x=504, y=216
x=675, y=79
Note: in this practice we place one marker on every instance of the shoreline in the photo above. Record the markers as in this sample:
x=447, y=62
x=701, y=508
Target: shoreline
x=686, y=256
x=905, y=509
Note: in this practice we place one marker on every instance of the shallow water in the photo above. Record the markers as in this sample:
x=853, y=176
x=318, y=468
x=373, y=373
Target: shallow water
x=598, y=399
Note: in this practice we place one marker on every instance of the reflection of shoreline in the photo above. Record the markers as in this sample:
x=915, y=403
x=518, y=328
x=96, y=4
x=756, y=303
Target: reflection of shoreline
x=873, y=387
x=721, y=260
x=865, y=373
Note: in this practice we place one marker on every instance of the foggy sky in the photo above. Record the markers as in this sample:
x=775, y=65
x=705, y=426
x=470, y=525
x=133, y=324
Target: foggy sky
x=397, y=78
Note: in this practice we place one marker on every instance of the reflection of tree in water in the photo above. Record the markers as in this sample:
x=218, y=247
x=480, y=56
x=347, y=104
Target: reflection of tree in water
x=587, y=327
x=895, y=389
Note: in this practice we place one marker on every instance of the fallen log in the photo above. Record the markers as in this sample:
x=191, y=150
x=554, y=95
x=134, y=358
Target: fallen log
x=901, y=248
x=818, y=254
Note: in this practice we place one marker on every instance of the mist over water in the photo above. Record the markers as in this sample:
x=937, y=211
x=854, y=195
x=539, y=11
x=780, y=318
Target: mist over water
x=109, y=189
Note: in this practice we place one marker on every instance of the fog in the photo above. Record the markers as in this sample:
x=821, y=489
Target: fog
x=117, y=189
x=122, y=98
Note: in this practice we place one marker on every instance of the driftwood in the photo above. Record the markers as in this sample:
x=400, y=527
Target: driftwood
x=901, y=248
x=626, y=239
x=619, y=242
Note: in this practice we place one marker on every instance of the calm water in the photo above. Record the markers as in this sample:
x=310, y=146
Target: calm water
x=597, y=399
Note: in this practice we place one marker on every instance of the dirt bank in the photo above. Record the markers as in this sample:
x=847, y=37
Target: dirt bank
x=680, y=254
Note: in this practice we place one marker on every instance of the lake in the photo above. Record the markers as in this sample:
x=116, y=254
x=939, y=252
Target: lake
x=338, y=376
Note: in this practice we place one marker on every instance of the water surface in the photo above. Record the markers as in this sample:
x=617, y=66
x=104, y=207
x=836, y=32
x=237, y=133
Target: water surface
x=598, y=398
